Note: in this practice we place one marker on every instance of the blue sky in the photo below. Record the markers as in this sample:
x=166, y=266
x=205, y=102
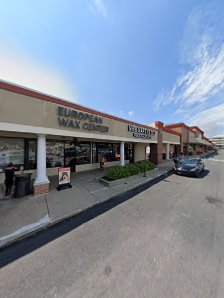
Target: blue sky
x=139, y=60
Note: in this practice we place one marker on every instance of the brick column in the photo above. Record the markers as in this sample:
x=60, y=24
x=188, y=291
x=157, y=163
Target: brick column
x=156, y=154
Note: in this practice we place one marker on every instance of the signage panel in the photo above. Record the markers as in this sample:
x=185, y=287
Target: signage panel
x=141, y=133
x=80, y=120
x=64, y=176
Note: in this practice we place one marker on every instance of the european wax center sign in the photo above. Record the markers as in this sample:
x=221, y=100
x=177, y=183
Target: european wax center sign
x=79, y=120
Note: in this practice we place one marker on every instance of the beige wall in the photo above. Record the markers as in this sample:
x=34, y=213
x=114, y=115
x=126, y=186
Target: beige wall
x=164, y=148
x=171, y=138
x=32, y=112
x=192, y=135
x=198, y=134
x=139, y=152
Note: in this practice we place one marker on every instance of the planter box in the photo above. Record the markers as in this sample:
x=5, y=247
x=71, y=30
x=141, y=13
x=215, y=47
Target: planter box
x=122, y=180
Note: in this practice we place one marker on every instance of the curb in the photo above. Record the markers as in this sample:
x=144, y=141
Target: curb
x=18, y=247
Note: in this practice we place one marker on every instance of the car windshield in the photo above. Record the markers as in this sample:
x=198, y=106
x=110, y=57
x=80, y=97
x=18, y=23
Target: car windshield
x=189, y=161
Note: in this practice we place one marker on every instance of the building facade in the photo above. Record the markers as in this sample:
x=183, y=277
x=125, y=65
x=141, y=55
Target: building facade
x=42, y=133
x=218, y=141
x=193, y=140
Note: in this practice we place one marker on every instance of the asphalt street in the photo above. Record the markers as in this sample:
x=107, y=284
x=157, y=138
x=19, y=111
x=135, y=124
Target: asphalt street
x=167, y=241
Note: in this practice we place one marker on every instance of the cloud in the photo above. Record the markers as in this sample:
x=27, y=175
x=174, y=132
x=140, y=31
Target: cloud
x=131, y=113
x=199, y=84
x=198, y=91
x=180, y=111
x=99, y=7
x=19, y=68
x=210, y=120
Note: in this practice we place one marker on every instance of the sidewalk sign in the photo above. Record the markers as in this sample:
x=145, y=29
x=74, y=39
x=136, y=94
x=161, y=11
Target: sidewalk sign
x=64, y=178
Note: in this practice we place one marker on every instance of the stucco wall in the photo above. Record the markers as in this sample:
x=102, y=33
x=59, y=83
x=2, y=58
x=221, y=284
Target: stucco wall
x=33, y=112
x=139, y=151
x=171, y=138
x=192, y=135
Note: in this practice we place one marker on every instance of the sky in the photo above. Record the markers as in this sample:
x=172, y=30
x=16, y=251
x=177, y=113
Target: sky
x=139, y=60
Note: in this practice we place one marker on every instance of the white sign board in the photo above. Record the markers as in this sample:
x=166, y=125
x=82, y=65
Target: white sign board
x=147, y=150
x=64, y=176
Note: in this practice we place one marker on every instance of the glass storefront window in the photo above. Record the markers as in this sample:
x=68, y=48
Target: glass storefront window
x=82, y=153
x=94, y=152
x=70, y=155
x=55, y=154
x=11, y=150
x=77, y=154
x=32, y=154
x=59, y=154
x=110, y=151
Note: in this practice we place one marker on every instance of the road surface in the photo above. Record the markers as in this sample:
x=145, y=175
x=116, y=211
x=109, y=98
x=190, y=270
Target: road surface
x=167, y=242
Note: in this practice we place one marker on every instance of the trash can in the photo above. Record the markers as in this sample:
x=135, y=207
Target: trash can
x=22, y=185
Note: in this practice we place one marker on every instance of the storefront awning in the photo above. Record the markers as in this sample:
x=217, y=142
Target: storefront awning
x=199, y=142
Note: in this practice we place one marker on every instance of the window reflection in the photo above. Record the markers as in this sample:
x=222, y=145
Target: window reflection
x=55, y=154
x=70, y=155
x=59, y=154
x=83, y=153
x=110, y=151
x=11, y=150
x=32, y=153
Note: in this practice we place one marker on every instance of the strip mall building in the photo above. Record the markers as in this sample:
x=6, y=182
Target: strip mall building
x=43, y=133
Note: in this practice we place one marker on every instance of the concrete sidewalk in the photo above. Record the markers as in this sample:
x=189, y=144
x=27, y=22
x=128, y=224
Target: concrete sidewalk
x=24, y=216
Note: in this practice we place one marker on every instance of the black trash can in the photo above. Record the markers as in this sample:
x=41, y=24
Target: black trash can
x=22, y=185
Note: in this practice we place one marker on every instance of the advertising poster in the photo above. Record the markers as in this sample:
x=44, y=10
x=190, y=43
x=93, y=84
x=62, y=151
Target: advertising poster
x=64, y=176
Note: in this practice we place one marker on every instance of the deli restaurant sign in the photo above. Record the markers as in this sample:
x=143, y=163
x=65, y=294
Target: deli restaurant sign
x=141, y=133
x=80, y=120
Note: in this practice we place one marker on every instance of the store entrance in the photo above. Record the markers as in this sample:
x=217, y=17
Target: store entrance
x=69, y=155
x=130, y=152
x=77, y=153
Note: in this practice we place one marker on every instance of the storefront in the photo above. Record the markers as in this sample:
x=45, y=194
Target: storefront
x=168, y=142
x=74, y=154
x=193, y=140
x=42, y=133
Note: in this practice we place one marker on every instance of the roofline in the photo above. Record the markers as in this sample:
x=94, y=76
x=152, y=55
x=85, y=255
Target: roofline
x=198, y=128
x=43, y=96
x=180, y=124
x=167, y=129
x=209, y=141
